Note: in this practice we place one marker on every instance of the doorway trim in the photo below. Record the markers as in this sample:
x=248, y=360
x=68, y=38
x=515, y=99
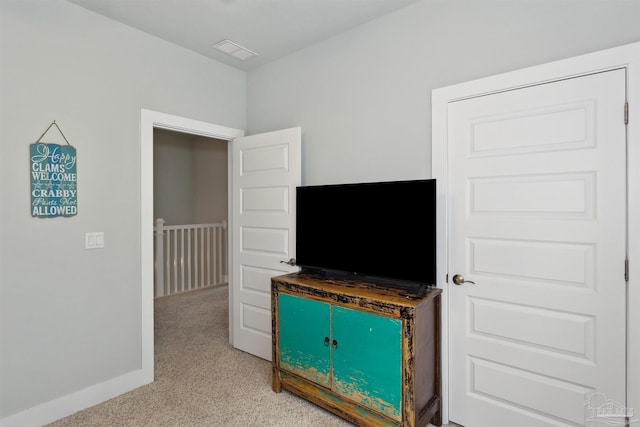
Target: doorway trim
x=626, y=57
x=148, y=121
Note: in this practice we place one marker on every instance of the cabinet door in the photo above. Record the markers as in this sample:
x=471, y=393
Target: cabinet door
x=304, y=331
x=367, y=359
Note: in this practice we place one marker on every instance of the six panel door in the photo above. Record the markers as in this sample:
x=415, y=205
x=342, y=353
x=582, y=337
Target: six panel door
x=265, y=171
x=538, y=222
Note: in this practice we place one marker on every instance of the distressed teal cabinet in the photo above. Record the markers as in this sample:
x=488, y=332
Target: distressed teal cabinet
x=368, y=354
x=332, y=346
x=304, y=342
x=367, y=359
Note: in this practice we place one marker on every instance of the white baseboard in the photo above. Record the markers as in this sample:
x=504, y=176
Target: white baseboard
x=64, y=406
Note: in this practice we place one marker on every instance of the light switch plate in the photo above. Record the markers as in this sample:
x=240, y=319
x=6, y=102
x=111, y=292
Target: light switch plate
x=94, y=240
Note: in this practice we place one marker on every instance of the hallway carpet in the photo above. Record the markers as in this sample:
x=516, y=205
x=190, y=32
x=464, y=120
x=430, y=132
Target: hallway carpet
x=200, y=379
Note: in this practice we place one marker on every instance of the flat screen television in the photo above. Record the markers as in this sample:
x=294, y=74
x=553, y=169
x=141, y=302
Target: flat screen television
x=384, y=231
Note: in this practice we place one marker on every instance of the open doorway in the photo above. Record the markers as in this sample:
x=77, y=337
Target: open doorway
x=150, y=120
x=190, y=203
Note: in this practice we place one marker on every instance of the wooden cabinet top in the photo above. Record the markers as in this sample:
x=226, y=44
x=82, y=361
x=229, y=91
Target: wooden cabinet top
x=349, y=290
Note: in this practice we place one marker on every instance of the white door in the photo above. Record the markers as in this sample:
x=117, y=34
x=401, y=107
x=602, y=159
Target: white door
x=265, y=171
x=537, y=220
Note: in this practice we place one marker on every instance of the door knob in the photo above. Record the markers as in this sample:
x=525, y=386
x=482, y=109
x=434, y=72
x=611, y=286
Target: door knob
x=458, y=279
x=291, y=262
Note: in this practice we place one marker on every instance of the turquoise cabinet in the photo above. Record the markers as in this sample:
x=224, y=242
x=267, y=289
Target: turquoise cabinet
x=304, y=340
x=366, y=353
x=356, y=354
x=367, y=359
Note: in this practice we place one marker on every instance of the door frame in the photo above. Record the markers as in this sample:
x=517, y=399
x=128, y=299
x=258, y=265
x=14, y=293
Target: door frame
x=626, y=57
x=148, y=121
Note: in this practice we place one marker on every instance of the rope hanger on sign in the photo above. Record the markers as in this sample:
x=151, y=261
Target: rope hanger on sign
x=53, y=123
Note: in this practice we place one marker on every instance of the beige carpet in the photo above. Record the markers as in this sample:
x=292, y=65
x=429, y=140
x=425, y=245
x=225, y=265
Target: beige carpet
x=200, y=379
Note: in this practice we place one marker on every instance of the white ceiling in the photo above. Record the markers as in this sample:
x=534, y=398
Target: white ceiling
x=272, y=28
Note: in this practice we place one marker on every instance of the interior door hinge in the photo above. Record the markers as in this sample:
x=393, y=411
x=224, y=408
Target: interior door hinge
x=626, y=113
x=446, y=280
x=626, y=270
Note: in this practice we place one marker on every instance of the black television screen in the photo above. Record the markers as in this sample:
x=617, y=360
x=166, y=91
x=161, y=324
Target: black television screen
x=379, y=229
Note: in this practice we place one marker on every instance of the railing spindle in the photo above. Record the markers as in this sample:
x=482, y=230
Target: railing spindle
x=201, y=282
x=182, y=259
x=189, y=257
x=208, y=257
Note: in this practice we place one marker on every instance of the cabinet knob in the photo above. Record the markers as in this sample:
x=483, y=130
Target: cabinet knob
x=334, y=344
x=326, y=341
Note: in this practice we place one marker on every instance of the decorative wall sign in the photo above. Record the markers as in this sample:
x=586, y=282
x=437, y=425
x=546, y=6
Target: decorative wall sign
x=54, y=190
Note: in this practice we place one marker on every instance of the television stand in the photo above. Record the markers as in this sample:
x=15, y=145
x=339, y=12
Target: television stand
x=365, y=352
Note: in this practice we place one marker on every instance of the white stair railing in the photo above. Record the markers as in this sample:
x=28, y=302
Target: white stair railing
x=189, y=257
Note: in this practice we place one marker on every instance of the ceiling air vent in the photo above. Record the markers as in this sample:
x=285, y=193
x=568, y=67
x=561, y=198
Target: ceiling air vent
x=235, y=50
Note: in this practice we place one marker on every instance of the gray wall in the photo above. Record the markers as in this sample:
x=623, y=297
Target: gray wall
x=189, y=178
x=210, y=181
x=172, y=177
x=70, y=317
x=362, y=98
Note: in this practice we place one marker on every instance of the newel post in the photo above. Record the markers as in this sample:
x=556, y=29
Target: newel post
x=159, y=262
